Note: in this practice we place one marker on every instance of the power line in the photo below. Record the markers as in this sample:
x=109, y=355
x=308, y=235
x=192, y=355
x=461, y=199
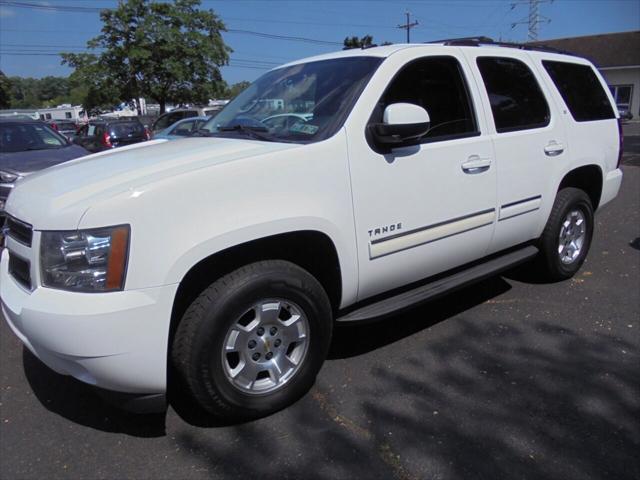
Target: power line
x=408, y=26
x=78, y=9
x=533, y=20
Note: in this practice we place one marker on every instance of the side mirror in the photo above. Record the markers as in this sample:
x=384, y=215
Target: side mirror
x=403, y=124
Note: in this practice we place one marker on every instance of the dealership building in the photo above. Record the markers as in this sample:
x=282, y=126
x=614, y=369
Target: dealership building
x=617, y=56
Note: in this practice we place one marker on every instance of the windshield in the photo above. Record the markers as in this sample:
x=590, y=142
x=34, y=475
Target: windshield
x=302, y=103
x=22, y=137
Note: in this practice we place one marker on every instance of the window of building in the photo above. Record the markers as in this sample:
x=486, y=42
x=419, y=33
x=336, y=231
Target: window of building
x=622, y=94
x=581, y=90
x=436, y=84
x=517, y=102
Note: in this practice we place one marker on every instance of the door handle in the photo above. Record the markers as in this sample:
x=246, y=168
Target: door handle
x=476, y=164
x=553, y=149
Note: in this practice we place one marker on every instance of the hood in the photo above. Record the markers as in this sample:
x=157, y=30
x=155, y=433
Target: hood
x=24, y=163
x=57, y=198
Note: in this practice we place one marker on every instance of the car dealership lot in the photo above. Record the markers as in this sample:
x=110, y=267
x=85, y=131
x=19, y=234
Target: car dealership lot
x=506, y=379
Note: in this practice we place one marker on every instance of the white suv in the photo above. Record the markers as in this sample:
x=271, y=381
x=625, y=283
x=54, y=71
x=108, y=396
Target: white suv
x=402, y=172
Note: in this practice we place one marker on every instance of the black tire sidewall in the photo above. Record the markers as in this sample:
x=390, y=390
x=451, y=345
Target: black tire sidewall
x=571, y=199
x=222, y=314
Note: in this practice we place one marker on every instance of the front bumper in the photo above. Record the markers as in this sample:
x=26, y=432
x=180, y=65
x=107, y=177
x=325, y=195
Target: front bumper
x=116, y=341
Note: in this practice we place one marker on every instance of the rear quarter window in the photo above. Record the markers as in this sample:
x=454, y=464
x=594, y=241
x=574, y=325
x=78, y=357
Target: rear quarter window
x=581, y=90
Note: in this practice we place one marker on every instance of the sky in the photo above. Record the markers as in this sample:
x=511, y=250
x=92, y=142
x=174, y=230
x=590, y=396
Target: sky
x=31, y=37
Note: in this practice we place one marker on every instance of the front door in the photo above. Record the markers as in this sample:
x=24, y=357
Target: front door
x=423, y=209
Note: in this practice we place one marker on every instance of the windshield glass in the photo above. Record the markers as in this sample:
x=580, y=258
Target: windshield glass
x=302, y=103
x=22, y=137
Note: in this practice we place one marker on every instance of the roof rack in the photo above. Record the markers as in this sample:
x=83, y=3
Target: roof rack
x=481, y=40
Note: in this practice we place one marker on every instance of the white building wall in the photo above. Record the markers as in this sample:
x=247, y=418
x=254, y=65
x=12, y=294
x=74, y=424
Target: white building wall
x=626, y=76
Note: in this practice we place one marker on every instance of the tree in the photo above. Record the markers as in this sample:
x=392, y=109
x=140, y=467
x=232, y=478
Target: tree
x=5, y=91
x=355, y=42
x=236, y=89
x=170, y=52
x=364, y=42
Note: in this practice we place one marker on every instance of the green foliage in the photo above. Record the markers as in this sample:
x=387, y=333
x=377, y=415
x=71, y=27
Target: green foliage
x=5, y=91
x=236, y=89
x=19, y=92
x=355, y=42
x=169, y=52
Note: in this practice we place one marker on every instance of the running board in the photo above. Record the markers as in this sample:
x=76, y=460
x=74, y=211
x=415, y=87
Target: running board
x=439, y=287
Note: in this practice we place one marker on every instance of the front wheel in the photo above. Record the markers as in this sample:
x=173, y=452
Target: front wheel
x=566, y=239
x=254, y=341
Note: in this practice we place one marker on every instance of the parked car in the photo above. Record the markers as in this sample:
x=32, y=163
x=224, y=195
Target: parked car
x=67, y=128
x=182, y=128
x=229, y=257
x=27, y=146
x=625, y=114
x=167, y=119
x=105, y=134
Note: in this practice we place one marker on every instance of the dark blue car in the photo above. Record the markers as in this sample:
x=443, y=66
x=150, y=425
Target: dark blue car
x=27, y=146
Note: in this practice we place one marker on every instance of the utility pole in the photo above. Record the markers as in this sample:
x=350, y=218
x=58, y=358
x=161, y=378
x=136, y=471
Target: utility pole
x=533, y=20
x=408, y=26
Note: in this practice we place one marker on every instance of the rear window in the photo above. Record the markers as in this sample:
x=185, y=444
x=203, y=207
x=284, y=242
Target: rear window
x=581, y=90
x=517, y=103
x=127, y=129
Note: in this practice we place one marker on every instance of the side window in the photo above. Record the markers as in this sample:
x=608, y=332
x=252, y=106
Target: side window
x=183, y=129
x=581, y=90
x=517, y=103
x=91, y=130
x=436, y=84
x=67, y=114
x=189, y=114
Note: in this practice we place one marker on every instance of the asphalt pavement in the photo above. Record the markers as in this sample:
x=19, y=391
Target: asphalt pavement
x=508, y=379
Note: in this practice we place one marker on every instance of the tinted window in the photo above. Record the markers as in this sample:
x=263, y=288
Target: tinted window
x=127, y=129
x=516, y=100
x=166, y=120
x=183, y=129
x=581, y=91
x=437, y=85
x=22, y=137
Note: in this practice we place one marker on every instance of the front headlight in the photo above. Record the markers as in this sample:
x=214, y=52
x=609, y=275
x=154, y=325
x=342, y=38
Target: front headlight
x=85, y=260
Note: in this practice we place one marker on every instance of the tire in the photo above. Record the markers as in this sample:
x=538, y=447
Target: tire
x=555, y=262
x=216, y=321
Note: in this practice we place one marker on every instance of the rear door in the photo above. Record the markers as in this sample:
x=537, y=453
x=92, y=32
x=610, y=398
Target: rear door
x=529, y=139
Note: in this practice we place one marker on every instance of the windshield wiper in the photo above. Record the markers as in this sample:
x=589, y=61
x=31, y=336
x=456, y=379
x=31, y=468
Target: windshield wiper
x=250, y=131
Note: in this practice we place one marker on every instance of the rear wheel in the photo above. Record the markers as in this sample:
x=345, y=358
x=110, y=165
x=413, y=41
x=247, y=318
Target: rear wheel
x=254, y=341
x=566, y=239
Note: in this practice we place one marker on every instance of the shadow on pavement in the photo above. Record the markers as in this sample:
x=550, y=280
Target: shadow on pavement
x=487, y=399
x=79, y=402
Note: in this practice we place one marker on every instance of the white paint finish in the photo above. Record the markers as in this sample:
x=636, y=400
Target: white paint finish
x=188, y=199
x=428, y=235
x=520, y=208
x=117, y=339
x=520, y=158
x=611, y=186
x=416, y=186
x=404, y=114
